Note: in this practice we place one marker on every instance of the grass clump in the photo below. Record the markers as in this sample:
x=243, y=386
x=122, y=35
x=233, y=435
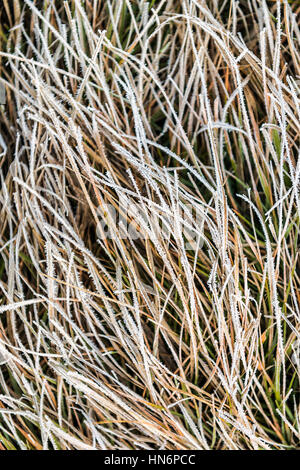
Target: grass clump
x=149, y=260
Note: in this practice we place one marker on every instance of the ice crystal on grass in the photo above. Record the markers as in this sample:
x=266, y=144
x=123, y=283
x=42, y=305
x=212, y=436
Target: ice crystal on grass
x=149, y=245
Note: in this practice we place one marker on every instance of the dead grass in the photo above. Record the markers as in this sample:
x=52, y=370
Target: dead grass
x=143, y=342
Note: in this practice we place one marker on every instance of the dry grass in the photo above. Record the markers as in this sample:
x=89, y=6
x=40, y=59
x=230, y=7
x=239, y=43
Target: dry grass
x=126, y=342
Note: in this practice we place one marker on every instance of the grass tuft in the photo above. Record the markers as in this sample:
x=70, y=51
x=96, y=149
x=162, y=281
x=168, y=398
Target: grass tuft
x=149, y=244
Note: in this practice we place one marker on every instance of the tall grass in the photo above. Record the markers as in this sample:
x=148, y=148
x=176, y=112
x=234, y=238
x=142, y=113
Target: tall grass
x=177, y=332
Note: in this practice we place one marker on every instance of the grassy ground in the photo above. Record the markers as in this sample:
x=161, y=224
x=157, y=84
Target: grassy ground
x=149, y=240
